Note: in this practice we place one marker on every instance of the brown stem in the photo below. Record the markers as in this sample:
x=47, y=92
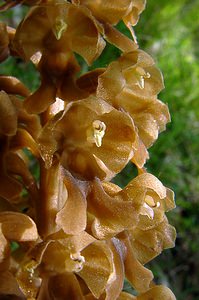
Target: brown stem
x=50, y=192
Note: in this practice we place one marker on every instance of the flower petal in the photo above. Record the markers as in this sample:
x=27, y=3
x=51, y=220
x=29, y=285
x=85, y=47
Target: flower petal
x=9, y=287
x=134, y=270
x=4, y=252
x=8, y=115
x=72, y=217
x=85, y=150
x=158, y=292
x=147, y=244
x=111, y=215
x=12, y=85
x=18, y=227
x=97, y=267
x=65, y=286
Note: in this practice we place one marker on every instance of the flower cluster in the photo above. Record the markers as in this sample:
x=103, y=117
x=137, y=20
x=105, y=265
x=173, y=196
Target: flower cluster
x=77, y=235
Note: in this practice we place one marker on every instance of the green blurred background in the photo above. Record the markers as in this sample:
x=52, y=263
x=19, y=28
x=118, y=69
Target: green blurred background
x=169, y=31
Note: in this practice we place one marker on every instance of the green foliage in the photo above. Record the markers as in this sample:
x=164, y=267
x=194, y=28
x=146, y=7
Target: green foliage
x=169, y=31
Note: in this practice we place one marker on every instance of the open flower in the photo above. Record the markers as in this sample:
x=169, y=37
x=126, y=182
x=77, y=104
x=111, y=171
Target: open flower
x=57, y=30
x=92, y=138
x=57, y=36
x=98, y=263
x=114, y=11
x=132, y=83
x=110, y=12
x=141, y=205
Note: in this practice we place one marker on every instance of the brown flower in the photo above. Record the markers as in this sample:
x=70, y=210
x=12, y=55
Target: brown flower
x=92, y=137
x=57, y=36
x=98, y=263
x=113, y=11
x=14, y=162
x=57, y=31
x=141, y=205
x=132, y=83
x=149, y=243
x=158, y=292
